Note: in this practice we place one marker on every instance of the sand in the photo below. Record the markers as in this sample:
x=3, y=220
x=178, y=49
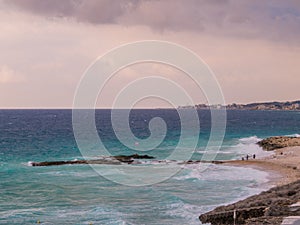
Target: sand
x=283, y=166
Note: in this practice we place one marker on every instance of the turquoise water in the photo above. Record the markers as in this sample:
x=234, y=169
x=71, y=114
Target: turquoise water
x=76, y=194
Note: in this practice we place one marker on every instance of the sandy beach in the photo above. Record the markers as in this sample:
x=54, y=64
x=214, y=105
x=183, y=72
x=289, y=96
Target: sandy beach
x=283, y=165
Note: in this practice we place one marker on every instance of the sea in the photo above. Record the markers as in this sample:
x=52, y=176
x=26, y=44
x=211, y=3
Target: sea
x=78, y=194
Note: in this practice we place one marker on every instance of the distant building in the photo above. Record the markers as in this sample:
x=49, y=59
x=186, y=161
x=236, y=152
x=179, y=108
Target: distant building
x=295, y=105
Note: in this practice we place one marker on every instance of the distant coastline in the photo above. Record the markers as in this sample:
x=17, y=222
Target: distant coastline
x=286, y=106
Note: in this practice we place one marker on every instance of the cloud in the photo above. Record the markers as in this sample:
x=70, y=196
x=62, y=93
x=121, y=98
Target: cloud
x=251, y=45
x=8, y=75
x=92, y=11
x=53, y=7
x=277, y=20
x=167, y=14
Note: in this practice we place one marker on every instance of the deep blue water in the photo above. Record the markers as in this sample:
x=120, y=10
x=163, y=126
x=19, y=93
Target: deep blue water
x=78, y=195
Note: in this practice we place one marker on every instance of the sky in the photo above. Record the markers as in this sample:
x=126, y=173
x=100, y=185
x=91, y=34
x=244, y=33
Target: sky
x=252, y=47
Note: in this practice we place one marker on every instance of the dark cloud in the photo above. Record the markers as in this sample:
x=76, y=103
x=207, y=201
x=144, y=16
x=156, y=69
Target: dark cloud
x=176, y=14
x=92, y=11
x=270, y=19
x=165, y=14
x=52, y=7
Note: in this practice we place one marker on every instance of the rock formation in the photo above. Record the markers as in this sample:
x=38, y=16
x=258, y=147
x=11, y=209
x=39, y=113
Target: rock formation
x=113, y=160
x=273, y=143
x=268, y=207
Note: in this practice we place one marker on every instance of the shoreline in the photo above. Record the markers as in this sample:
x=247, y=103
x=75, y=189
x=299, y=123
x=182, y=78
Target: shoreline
x=272, y=204
x=283, y=166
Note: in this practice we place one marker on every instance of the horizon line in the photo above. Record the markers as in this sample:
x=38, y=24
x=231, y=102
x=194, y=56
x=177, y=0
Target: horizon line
x=154, y=107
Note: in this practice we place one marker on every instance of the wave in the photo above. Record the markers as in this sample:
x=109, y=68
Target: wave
x=239, y=148
x=293, y=135
x=222, y=173
x=247, y=146
x=191, y=172
x=250, y=140
x=186, y=211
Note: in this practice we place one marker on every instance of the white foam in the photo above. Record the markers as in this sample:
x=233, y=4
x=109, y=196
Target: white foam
x=220, y=172
x=202, y=151
x=157, y=162
x=30, y=163
x=250, y=140
x=186, y=211
x=249, y=146
x=293, y=135
x=242, y=147
x=251, y=182
x=192, y=171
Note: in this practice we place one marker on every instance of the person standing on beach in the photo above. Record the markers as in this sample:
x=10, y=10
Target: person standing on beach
x=247, y=157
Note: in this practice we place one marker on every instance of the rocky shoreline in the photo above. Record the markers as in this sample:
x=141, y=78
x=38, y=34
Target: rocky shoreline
x=273, y=143
x=268, y=207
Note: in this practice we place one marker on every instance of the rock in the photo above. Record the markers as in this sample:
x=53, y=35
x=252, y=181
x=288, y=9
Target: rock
x=264, y=220
x=226, y=217
x=273, y=143
x=58, y=163
x=271, y=205
x=114, y=160
x=134, y=156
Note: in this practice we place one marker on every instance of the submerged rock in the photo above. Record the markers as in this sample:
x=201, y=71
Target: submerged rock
x=125, y=158
x=58, y=163
x=113, y=160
